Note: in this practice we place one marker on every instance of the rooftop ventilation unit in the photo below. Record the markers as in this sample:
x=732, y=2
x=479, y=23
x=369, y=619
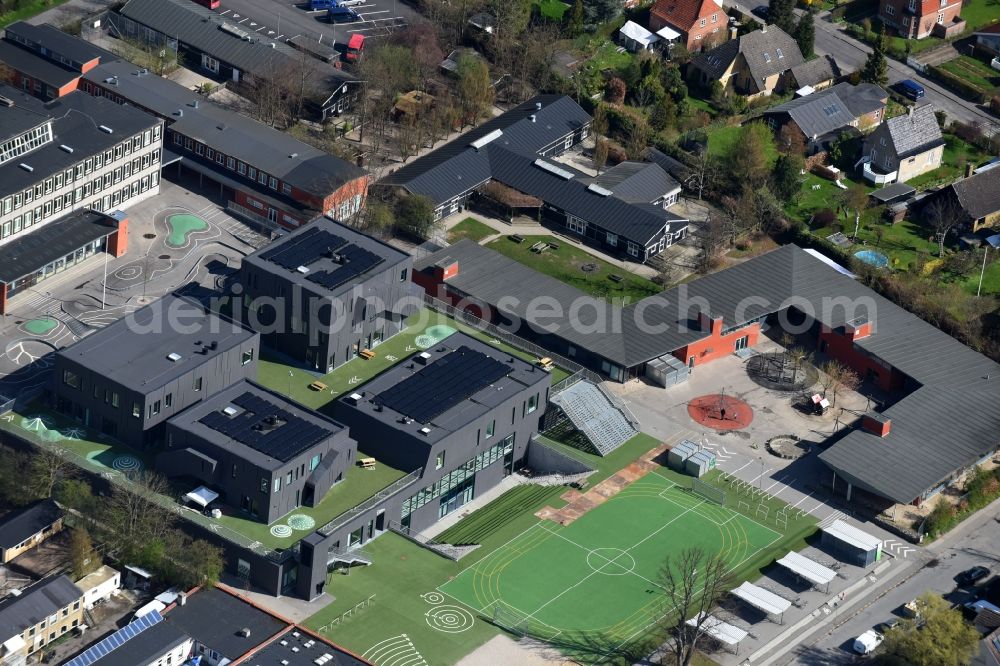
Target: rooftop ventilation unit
x=65, y=148
x=597, y=189
x=293, y=156
x=553, y=169
x=26, y=167
x=230, y=411
x=533, y=117
x=425, y=431
x=174, y=356
x=179, y=113
x=486, y=138
x=423, y=358
x=245, y=632
x=221, y=126
x=193, y=104
x=538, y=106
x=302, y=269
x=143, y=71
x=105, y=129
x=233, y=30
x=354, y=399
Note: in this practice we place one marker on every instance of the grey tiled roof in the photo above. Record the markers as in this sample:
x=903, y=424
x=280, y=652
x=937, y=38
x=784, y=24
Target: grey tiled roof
x=767, y=51
x=831, y=109
x=914, y=132
x=35, y=603
x=19, y=525
x=979, y=194
x=637, y=182
x=817, y=70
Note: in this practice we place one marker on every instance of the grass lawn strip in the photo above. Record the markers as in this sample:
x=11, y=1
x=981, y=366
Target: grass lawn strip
x=470, y=228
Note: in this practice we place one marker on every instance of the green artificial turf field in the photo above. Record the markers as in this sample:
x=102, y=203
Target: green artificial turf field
x=604, y=588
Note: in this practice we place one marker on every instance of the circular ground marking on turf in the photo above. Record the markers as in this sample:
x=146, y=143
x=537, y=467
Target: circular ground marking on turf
x=449, y=619
x=720, y=412
x=424, y=341
x=73, y=433
x=281, y=531
x=126, y=463
x=611, y=561
x=434, y=598
x=300, y=521
x=128, y=272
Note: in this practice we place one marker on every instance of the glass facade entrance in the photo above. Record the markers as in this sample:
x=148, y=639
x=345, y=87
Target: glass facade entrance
x=57, y=266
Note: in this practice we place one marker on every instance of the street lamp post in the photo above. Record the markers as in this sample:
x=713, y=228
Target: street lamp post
x=994, y=242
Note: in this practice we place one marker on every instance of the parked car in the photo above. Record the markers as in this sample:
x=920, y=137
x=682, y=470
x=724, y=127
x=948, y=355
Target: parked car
x=883, y=627
x=762, y=12
x=972, y=576
x=910, y=88
x=867, y=642
x=341, y=14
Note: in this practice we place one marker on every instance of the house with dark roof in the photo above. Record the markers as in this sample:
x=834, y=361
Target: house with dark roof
x=977, y=196
x=701, y=24
x=267, y=176
x=146, y=641
x=753, y=65
x=988, y=38
x=917, y=19
x=822, y=116
x=941, y=420
x=261, y=453
x=45, y=61
x=41, y=613
x=24, y=528
x=515, y=150
x=228, y=51
x=903, y=147
x=128, y=378
x=325, y=294
x=639, y=183
x=815, y=74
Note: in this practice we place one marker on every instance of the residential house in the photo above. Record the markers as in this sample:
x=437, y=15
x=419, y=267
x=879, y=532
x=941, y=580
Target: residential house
x=978, y=197
x=24, y=528
x=98, y=586
x=146, y=641
x=813, y=75
x=508, y=162
x=640, y=183
x=916, y=19
x=700, y=24
x=988, y=38
x=231, y=51
x=821, y=117
x=38, y=615
x=45, y=61
x=903, y=147
x=753, y=64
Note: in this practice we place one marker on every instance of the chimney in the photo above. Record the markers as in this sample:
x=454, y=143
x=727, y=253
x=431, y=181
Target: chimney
x=969, y=169
x=445, y=269
x=538, y=106
x=876, y=424
x=245, y=632
x=710, y=323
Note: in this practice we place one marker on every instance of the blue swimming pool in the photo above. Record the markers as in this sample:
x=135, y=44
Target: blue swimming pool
x=872, y=258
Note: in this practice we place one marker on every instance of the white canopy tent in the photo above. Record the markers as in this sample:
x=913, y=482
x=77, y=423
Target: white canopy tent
x=667, y=34
x=763, y=600
x=636, y=37
x=803, y=567
x=202, y=496
x=727, y=634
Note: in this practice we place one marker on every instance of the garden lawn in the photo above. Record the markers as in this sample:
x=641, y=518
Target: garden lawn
x=957, y=153
x=469, y=228
x=397, y=621
x=980, y=13
x=607, y=56
x=975, y=72
x=27, y=11
x=991, y=278
x=565, y=265
x=552, y=9
x=722, y=139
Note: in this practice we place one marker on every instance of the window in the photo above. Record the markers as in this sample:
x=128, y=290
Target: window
x=439, y=461
x=264, y=483
x=612, y=239
x=890, y=10
x=197, y=384
x=715, y=18
x=288, y=479
x=252, y=173
x=262, y=178
x=234, y=470
x=241, y=168
x=209, y=153
x=912, y=5
x=248, y=357
x=532, y=403
x=940, y=18
x=767, y=57
x=490, y=428
x=272, y=182
x=136, y=410
x=169, y=399
x=701, y=24
x=402, y=275
x=780, y=54
x=230, y=163
x=71, y=379
x=277, y=485
x=314, y=462
x=155, y=409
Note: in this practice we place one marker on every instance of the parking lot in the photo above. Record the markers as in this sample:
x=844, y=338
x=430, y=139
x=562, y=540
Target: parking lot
x=284, y=20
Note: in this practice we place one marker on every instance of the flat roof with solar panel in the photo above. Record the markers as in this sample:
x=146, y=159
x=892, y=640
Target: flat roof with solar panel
x=328, y=255
x=443, y=388
x=143, y=641
x=261, y=426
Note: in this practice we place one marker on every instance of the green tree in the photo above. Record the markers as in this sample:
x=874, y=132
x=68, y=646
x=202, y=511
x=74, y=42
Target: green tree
x=939, y=637
x=785, y=179
x=805, y=34
x=876, y=69
x=198, y=562
x=601, y=11
x=782, y=14
x=83, y=558
x=475, y=91
x=747, y=161
x=574, y=19
x=415, y=215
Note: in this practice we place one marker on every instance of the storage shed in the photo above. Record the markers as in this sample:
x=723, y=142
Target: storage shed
x=700, y=463
x=667, y=370
x=680, y=453
x=851, y=544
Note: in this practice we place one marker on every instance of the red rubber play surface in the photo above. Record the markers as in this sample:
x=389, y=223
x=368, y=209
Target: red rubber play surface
x=720, y=412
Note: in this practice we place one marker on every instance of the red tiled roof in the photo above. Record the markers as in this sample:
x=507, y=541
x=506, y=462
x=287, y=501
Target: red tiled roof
x=684, y=14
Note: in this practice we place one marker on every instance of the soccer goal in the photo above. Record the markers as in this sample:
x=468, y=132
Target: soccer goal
x=708, y=491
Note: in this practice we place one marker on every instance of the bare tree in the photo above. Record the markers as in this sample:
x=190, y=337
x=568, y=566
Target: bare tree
x=943, y=213
x=854, y=198
x=798, y=356
x=693, y=582
x=830, y=372
x=135, y=511
x=846, y=380
x=48, y=468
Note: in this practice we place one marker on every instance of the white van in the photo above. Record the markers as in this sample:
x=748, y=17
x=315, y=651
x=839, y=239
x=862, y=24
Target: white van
x=867, y=642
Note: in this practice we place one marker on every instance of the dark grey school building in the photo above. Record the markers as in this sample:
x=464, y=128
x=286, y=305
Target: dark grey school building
x=462, y=411
x=127, y=379
x=325, y=293
x=262, y=453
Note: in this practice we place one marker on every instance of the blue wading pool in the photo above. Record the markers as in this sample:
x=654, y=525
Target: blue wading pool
x=872, y=258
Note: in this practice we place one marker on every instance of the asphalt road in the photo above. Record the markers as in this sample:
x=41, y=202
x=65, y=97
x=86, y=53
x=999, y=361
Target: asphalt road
x=850, y=54
x=975, y=542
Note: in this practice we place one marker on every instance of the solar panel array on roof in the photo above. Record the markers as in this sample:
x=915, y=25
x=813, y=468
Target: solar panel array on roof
x=116, y=640
x=266, y=428
x=352, y=261
x=304, y=249
x=443, y=384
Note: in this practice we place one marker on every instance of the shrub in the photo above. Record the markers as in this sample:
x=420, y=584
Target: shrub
x=995, y=104
x=825, y=218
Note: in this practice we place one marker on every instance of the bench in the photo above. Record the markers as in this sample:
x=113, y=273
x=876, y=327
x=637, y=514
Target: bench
x=318, y=386
x=367, y=354
x=517, y=238
x=554, y=246
x=614, y=277
x=367, y=463
x=545, y=363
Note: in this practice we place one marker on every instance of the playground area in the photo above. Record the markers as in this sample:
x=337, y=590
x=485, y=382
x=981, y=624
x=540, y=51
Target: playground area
x=544, y=582
x=181, y=226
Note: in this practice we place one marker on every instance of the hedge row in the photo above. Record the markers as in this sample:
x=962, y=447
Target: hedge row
x=958, y=85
